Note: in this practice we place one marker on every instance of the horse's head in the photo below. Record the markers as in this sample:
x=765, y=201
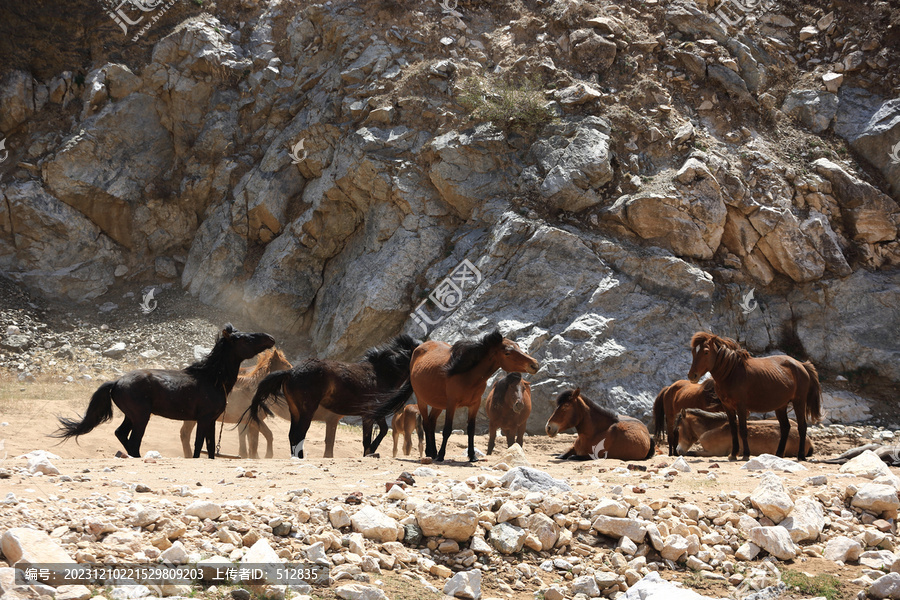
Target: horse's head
x=684, y=433
x=515, y=392
x=567, y=412
x=703, y=351
x=246, y=345
x=513, y=360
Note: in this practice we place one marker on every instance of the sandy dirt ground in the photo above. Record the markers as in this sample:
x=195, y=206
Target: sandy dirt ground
x=29, y=414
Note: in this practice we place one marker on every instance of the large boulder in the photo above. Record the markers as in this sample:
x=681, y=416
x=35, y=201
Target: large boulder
x=16, y=99
x=108, y=168
x=871, y=215
x=814, y=108
x=50, y=247
x=572, y=161
x=455, y=524
x=771, y=498
x=786, y=247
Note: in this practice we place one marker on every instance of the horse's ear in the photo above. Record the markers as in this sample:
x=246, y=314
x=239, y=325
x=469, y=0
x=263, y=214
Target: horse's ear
x=227, y=331
x=576, y=393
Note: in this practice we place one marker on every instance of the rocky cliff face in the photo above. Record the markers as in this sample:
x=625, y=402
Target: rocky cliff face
x=324, y=167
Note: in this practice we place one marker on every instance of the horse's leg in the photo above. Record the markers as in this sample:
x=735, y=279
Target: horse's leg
x=396, y=433
x=267, y=433
x=186, y=428
x=742, y=423
x=247, y=437
x=510, y=437
x=448, y=429
x=492, y=434
x=732, y=424
x=520, y=436
x=122, y=432
x=382, y=431
x=429, y=422
x=137, y=434
x=297, y=434
x=801, y=430
x=330, y=431
x=367, y=436
x=470, y=432
x=567, y=454
x=408, y=427
x=784, y=428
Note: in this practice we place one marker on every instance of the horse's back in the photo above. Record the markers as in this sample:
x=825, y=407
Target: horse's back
x=168, y=393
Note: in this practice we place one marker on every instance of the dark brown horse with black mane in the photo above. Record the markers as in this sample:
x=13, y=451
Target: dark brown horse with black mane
x=347, y=389
x=508, y=406
x=601, y=432
x=446, y=377
x=745, y=383
x=196, y=393
x=674, y=398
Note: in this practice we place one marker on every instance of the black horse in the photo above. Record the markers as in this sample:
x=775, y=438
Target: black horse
x=196, y=393
x=348, y=389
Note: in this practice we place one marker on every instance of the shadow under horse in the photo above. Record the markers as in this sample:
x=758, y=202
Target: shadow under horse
x=446, y=377
x=195, y=393
x=347, y=389
x=745, y=383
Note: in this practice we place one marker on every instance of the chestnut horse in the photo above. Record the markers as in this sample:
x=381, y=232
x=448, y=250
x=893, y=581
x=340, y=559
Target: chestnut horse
x=601, y=432
x=239, y=399
x=745, y=383
x=672, y=399
x=446, y=377
x=711, y=433
x=404, y=422
x=507, y=406
x=196, y=393
x=339, y=387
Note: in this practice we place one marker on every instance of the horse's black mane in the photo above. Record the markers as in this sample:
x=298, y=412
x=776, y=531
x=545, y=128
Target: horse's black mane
x=394, y=355
x=466, y=354
x=215, y=365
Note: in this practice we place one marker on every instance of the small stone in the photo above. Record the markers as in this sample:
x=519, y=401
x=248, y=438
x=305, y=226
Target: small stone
x=117, y=350
x=843, y=549
x=507, y=538
x=876, y=498
x=204, y=509
x=774, y=540
x=886, y=586
x=771, y=498
x=176, y=554
x=466, y=585
x=747, y=551
x=356, y=591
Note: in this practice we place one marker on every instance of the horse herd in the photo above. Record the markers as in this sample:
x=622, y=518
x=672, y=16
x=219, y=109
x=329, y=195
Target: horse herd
x=446, y=377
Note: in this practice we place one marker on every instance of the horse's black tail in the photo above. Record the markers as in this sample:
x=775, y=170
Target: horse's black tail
x=814, y=395
x=388, y=407
x=652, y=448
x=270, y=386
x=659, y=414
x=99, y=411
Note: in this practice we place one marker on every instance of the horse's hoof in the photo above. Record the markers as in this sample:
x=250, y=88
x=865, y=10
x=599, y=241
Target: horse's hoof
x=732, y=458
x=426, y=460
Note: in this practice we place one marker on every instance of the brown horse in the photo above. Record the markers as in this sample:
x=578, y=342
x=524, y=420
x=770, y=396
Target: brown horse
x=745, y=384
x=446, y=377
x=710, y=434
x=601, y=432
x=338, y=387
x=195, y=393
x=404, y=422
x=507, y=406
x=676, y=397
x=239, y=400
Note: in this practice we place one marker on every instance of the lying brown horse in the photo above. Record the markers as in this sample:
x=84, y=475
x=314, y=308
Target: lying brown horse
x=342, y=388
x=710, y=435
x=507, y=406
x=601, y=432
x=446, y=377
x=239, y=399
x=745, y=384
x=405, y=422
x=676, y=397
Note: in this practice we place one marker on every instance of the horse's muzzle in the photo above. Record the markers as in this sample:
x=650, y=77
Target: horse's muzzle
x=533, y=367
x=552, y=429
x=693, y=377
x=518, y=406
